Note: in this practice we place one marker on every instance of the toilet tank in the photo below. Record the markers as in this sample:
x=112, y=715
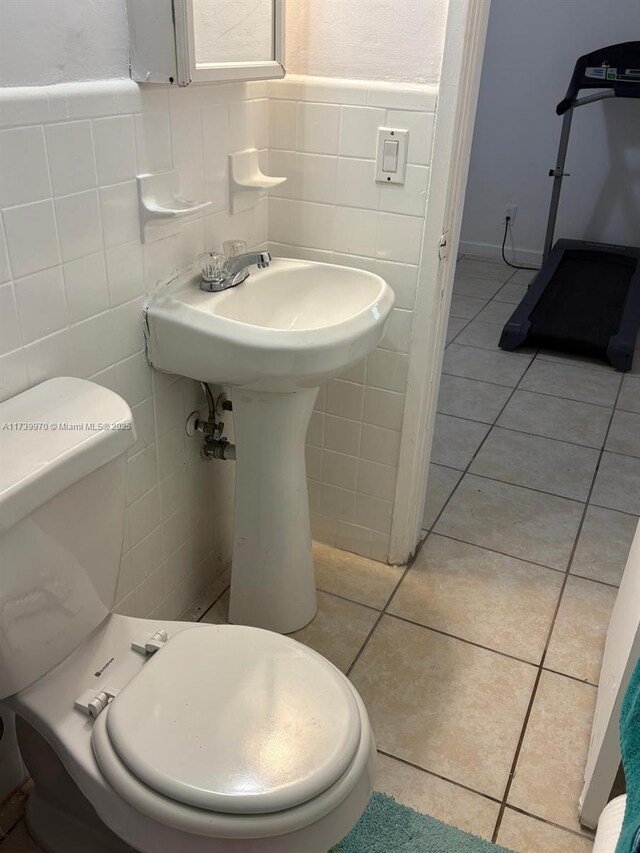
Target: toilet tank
x=62, y=501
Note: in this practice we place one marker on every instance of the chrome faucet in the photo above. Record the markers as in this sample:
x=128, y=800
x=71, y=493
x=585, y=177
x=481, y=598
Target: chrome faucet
x=234, y=271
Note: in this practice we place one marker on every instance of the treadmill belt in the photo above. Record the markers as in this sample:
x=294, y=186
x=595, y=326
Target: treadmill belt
x=582, y=306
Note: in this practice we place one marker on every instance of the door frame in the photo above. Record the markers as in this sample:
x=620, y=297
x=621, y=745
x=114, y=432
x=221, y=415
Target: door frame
x=464, y=43
x=621, y=652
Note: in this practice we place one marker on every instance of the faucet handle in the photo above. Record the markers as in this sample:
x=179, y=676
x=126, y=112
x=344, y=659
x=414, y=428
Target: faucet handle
x=212, y=266
x=233, y=248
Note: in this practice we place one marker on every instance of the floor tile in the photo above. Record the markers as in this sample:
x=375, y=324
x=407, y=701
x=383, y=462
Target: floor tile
x=443, y=704
x=442, y=481
x=480, y=268
x=554, y=417
x=481, y=334
x=19, y=841
x=512, y=293
x=456, y=440
x=436, y=797
x=574, y=359
x=496, y=601
x=549, y=773
x=354, y=577
x=482, y=288
x=469, y=398
x=337, y=632
x=496, y=312
x=624, y=435
x=629, y=398
x=524, y=834
x=465, y=306
x=573, y=383
x=454, y=326
x=580, y=631
x=12, y=809
x=617, y=483
x=604, y=545
x=537, y=463
x=523, y=276
x=519, y=522
x=473, y=363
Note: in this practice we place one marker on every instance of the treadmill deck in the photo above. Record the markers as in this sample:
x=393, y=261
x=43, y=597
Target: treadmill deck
x=585, y=299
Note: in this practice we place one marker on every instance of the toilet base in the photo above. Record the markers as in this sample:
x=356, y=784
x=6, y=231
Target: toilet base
x=60, y=819
x=59, y=832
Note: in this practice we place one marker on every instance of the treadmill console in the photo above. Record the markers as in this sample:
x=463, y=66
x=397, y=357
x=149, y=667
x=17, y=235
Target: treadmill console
x=606, y=72
x=616, y=68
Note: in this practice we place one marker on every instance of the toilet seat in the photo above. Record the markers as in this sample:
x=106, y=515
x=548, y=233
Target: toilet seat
x=272, y=729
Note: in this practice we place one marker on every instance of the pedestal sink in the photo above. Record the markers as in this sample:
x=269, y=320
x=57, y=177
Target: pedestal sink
x=274, y=339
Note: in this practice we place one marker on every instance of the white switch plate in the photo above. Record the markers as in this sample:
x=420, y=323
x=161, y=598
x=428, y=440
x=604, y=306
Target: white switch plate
x=392, y=134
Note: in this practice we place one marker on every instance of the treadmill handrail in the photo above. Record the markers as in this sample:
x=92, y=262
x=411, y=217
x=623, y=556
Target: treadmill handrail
x=564, y=106
x=623, y=85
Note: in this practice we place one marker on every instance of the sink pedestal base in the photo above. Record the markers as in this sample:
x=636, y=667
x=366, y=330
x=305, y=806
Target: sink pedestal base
x=272, y=580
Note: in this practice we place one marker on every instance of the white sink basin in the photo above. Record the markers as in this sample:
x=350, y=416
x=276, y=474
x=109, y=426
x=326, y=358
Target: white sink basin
x=294, y=324
x=274, y=339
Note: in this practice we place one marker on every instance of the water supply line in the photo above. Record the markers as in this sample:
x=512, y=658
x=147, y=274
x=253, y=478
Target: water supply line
x=216, y=445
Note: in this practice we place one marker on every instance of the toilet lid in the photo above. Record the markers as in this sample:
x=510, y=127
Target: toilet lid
x=236, y=719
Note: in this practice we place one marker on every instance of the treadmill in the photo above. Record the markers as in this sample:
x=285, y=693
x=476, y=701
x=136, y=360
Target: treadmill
x=586, y=297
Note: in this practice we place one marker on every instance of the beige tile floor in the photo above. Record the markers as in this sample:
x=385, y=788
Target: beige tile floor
x=479, y=663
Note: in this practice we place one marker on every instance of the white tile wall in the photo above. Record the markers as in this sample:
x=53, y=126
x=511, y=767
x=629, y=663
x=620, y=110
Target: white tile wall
x=74, y=275
x=323, y=138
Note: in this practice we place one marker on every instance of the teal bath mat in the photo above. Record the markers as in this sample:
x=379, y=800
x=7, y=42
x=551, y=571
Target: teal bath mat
x=388, y=827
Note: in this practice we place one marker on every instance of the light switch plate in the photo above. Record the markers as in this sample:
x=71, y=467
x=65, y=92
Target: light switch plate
x=385, y=172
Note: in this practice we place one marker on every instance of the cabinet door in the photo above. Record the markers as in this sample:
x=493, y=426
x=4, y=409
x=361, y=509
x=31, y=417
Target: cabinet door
x=186, y=41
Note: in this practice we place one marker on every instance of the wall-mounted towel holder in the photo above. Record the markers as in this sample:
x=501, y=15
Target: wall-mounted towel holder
x=247, y=180
x=161, y=205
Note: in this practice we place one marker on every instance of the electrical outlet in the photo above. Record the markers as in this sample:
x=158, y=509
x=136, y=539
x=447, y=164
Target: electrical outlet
x=510, y=212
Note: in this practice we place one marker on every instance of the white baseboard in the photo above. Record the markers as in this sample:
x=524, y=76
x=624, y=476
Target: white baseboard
x=527, y=257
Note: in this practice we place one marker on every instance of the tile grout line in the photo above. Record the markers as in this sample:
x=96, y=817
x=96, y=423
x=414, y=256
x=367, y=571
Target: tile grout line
x=550, y=823
x=541, y=667
x=532, y=562
x=522, y=357
x=525, y=391
x=383, y=611
x=460, y=638
x=214, y=602
x=438, y=776
x=464, y=640
x=520, y=486
x=477, y=451
x=464, y=472
x=477, y=793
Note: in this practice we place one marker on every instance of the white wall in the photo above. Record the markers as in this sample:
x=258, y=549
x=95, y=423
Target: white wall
x=55, y=41
x=366, y=39
x=530, y=53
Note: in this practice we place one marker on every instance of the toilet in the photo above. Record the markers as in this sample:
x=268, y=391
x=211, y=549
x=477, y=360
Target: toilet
x=150, y=735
